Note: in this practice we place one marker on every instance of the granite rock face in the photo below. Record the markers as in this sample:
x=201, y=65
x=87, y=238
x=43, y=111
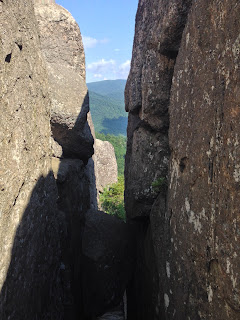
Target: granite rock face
x=30, y=255
x=204, y=166
x=62, y=47
x=183, y=91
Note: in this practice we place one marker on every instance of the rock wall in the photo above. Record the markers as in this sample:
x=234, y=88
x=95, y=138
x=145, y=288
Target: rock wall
x=204, y=165
x=29, y=220
x=182, y=96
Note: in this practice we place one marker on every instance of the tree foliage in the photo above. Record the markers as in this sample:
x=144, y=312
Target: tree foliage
x=112, y=199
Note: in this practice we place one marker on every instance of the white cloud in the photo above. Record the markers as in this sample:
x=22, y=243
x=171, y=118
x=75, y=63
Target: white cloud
x=108, y=69
x=116, y=50
x=90, y=42
x=101, y=66
x=98, y=75
x=124, y=69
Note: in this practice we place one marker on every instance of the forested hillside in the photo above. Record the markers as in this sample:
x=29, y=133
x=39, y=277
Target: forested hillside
x=107, y=106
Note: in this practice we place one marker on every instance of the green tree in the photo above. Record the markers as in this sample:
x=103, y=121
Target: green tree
x=112, y=199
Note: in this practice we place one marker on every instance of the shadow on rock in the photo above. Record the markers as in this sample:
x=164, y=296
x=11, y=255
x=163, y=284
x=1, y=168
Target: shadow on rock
x=107, y=261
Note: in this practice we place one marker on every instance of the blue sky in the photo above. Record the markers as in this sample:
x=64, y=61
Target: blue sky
x=107, y=28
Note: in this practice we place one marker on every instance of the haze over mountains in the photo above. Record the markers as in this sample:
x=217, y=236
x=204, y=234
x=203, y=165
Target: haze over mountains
x=107, y=106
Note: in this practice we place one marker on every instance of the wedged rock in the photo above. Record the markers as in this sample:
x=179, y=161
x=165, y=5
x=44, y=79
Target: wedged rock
x=105, y=164
x=30, y=254
x=61, y=44
x=107, y=261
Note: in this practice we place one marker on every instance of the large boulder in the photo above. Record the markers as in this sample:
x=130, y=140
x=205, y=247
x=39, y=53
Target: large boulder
x=62, y=47
x=107, y=261
x=29, y=229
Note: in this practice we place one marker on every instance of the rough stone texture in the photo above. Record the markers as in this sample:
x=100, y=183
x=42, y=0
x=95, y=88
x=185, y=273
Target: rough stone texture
x=107, y=261
x=62, y=47
x=147, y=94
x=148, y=162
x=30, y=254
x=204, y=170
x=159, y=25
x=194, y=228
x=105, y=164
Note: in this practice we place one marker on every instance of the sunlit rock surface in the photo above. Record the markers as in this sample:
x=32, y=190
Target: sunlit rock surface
x=30, y=255
x=61, y=44
x=105, y=164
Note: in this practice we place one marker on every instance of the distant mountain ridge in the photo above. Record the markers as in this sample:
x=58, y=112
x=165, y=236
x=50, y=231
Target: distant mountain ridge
x=107, y=106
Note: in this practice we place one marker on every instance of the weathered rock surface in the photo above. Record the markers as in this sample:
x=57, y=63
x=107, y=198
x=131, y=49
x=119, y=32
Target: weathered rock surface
x=186, y=63
x=42, y=218
x=147, y=94
x=204, y=167
x=107, y=261
x=30, y=254
x=105, y=164
x=62, y=47
x=61, y=44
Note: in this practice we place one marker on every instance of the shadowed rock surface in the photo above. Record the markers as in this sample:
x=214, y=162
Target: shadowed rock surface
x=62, y=48
x=186, y=63
x=107, y=261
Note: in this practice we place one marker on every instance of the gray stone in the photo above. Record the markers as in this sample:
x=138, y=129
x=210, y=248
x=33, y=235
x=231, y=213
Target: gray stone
x=185, y=63
x=105, y=164
x=204, y=166
x=62, y=47
x=30, y=254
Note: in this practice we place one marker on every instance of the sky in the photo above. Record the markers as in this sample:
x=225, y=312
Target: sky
x=107, y=28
